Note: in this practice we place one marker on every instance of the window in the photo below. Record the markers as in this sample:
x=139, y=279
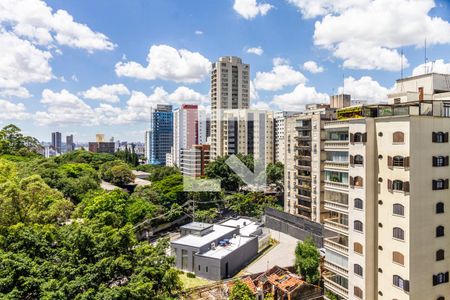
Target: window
x=398, y=258
x=440, y=278
x=358, y=269
x=397, y=185
x=440, y=255
x=358, y=248
x=440, y=184
x=199, y=267
x=206, y=269
x=398, y=281
x=398, y=161
x=440, y=137
x=358, y=226
x=359, y=137
x=440, y=161
x=398, y=209
x=358, y=160
x=358, y=292
x=440, y=208
x=398, y=137
x=440, y=298
x=398, y=233
x=439, y=231
x=356, y=181
x=358, y=203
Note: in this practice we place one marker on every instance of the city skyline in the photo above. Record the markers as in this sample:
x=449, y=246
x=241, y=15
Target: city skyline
x=92, y=76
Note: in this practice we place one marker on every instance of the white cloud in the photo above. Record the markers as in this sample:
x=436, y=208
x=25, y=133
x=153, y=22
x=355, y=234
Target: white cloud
x=366, y=34
x=315, y=8
x=438, y=66
x=106, y=92
x=249, y=9
x=253, y=91
x=311, y=66
x=168, y=63
x=261, y=105
x=301, y=95
x=256, y=50
x=19, y=92
x=282, y=75
x=64, y=108
x=35, y=20
x=21, y=62
x=364, y=88
x=12, y=111
x=199, y=32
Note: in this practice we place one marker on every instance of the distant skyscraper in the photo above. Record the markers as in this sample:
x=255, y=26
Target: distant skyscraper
x=185, y=130
x=279, y=124
x=56, y=141
x=204, y=126
x=230, y=89
x=161, y=134
x=70, y=146
x=148, y=145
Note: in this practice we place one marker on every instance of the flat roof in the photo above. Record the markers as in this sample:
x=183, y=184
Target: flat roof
x=222, y=251
x=198, y=241
x=246, y=226
x=197, y=226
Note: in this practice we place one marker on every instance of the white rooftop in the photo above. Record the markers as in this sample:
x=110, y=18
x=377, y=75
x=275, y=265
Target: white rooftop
x=222, y=251
x=198, y=241
x=246, y=226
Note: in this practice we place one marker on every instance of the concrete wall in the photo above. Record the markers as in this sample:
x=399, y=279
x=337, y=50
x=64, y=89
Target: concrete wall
x=294, y=226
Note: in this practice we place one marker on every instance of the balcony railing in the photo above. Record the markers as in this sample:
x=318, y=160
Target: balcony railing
x=341, y=165
x=303, y=197
x=335, y=287
x=335, y=268
x=303, y=177
x=302, y=167
x=303, y=157
x=303, y=127
x=303, y=137
x=336, y=185
x=336, y=206
x=333, y=224
x=303, y=187
x=336, y=144
x=334, y=243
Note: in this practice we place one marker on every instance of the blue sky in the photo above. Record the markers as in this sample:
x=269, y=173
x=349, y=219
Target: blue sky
x=82, y=67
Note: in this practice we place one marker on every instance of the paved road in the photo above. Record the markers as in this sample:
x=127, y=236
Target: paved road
x=282, y=255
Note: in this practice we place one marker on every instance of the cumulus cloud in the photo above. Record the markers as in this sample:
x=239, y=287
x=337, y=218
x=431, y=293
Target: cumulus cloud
x=36, y=21
x=438, y=66
x=19, y=92
x=281, y=75
x=256, y=50
x=312, y=66
x=199, y=32
x=249, y=9
x=106, y=92
x=364, y=88
x=12, y=111
x=167, y=63
x=301, y=95
x=65, y=108
x=261, y=105
x=366, y=34
x=21, y=62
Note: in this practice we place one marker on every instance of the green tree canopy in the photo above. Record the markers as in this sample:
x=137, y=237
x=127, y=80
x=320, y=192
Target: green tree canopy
x=251, y=204
x=241, y=291
x=117, y=173
x=307, y=260
x=275, y=174
x=13, y=142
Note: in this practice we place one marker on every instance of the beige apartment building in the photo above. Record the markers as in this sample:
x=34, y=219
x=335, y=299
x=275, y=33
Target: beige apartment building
x=230, y=89
x=387, y=199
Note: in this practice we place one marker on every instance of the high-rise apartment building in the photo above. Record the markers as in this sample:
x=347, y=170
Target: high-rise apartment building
x=248, y=132
x=185, y=130
x=194, y=160
x=230, y=89
x=279, y=119
x=56, y=141
x=70, y=146
x=161, y=134
x=304, y=172
x=204, y=126
x=148, y=145
x=386, y=181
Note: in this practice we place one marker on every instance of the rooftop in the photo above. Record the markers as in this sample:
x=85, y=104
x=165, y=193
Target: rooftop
x=196, y=226
x=222, y=251
x=198, y=241
x=246, y=226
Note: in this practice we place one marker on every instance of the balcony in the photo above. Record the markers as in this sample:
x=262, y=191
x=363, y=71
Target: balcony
x=302, y=147
x=304, y=187
x=338, y=206
x=335, y=225
x=305, y=127
x=336, y=165
x=303, y=157
x=336, y=185
x=338, y=244
x=303, y=197
x=303, y=177
x=332, y=285
x=303, y=138
x=336, y=145
x=303, y=207
x=335, y=268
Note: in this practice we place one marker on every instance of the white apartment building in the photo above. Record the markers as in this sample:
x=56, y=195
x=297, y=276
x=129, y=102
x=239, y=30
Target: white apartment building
x=279, y=127
x=248, y=132
x=386, y=187
x=148, y=145
x=230, y=89
x=303, y=172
